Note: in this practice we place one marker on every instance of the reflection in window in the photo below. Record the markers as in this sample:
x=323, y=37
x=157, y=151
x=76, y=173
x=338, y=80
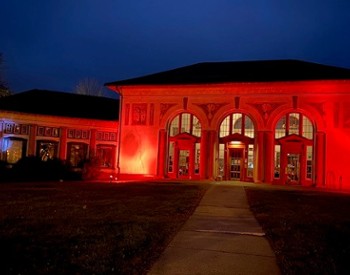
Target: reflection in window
x=248, y=127
x=309, y=162
x=250, y=168
x=185, y=123
x=277, y=171
x=77, y=154
x=197, y=158
x=13, y=149
x=293, y=125
x=171, y=157
x=221, y=160
x=307, y=128
x=225, y=127
x=47, y=149
x=237, y=123
x=105, y=155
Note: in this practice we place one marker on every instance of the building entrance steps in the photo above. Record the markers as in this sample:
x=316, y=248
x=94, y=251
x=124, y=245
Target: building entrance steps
x=221, y=237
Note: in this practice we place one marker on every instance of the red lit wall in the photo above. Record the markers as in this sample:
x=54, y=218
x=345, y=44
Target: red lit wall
x=148, y=110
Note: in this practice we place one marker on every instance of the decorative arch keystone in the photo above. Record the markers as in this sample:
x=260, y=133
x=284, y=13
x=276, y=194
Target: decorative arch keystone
x=210, y=109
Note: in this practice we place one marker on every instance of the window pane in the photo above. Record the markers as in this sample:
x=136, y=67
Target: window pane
x=293, y=124
x=174, y=127
x=250, y=167
x=237, y=123
x=307, y=128
x=277, y=161
x=196, y=131
x=197, y=158
x=280, y=130
x=185, y=123
x=77, y=154
x=47, y=150
x=225, y=127
x=309, y=162
x=171, y=157
x=249, y=127
x=221, y=159
x=13, y=149
x=105, y=155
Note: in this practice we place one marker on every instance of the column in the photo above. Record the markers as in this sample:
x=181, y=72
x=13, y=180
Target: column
x=63, y=144
x=92, y=143
x=269, y=156
x=32, y=139
x=260, y=160
x=203, y=155
x=162, y=153
x=210, y=154
x=319, y=170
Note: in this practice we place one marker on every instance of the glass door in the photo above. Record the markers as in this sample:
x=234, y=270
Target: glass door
x=235, y=164
x=184, y=163
x=293, y=168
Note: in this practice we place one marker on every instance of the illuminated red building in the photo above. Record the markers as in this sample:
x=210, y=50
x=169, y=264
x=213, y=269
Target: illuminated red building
x=279, y=122
x=54, y=125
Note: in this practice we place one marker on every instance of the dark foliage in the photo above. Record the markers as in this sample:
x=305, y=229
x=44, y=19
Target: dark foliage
x=33, y=168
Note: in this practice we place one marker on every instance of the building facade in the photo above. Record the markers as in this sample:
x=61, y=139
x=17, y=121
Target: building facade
x=74, y=128
x=278, y=122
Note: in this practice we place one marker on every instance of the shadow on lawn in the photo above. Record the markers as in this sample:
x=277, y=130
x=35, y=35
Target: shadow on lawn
x=309, y=231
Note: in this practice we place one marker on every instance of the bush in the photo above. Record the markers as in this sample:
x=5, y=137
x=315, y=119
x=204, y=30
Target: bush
x=33, y=168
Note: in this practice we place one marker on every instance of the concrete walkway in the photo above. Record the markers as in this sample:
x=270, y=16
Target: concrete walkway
x=221, y=237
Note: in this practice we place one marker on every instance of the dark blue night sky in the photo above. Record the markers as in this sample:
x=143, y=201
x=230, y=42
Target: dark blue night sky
x=53, y=45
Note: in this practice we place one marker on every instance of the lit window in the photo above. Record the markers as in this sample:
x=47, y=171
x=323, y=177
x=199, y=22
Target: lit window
x=294, y=123
x=14, y=149
x=171, y=157
x=225, y=127
x=77, y=154
x=197, y=158
x=307, y=128
x=277, y=170
x=237, y=123
x=105, y=156
x=250, y=168
x=233, y=123
x=47, y=149
x=309, y=162
x=185, y=123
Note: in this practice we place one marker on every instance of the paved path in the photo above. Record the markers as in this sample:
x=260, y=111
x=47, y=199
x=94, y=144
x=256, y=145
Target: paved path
x=221, y=237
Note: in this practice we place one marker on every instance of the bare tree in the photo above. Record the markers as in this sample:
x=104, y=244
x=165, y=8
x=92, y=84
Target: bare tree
x=89, y=86
x=4, y=90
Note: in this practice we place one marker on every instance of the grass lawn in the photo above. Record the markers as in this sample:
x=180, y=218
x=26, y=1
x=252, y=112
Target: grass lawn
x=309, y=231
x=90, y=228
x=121, y=228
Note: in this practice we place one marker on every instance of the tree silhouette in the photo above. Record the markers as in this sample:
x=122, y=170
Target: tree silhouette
x=4, y=90
x=89, y=86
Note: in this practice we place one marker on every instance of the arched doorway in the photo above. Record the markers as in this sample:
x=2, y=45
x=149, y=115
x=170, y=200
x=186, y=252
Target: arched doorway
x=236, y=148
x=184, y=137
x=294, y=150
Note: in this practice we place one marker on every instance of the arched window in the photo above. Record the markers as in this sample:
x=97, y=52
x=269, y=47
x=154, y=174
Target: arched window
x=294, y=160
x=185, y=123
x=294, y=123
x=237, y=123
x=184, y=151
